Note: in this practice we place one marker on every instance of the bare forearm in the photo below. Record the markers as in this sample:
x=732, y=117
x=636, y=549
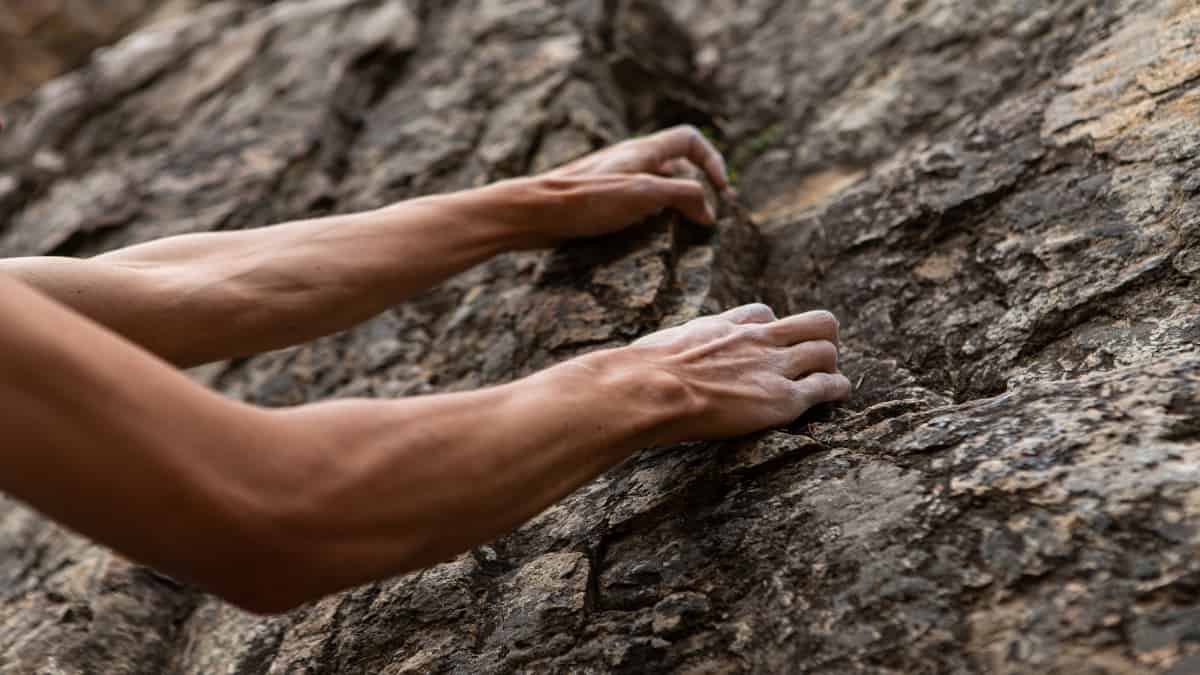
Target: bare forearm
x=424, y=479
x=113, y=442
x=110, y=441
x=204, y=297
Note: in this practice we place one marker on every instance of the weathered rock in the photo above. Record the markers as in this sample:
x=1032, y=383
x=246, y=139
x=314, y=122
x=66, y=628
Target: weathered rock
x=41, y=40
x=1000, y=200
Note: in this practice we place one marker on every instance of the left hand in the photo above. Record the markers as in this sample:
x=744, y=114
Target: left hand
x=611, y=189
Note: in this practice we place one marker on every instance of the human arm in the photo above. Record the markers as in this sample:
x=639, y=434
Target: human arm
x=271, y=508
x=203, y=297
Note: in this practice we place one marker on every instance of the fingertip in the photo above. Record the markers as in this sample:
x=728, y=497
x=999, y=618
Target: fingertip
x=701, y=213
x=703, y=153
x=689, y=198
x=842, y=386
x=721, y=182
x=718, y=172
x=696, y=211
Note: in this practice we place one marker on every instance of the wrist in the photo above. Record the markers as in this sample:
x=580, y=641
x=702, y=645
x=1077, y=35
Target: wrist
x=506, y=212
x=486, y=216
x=651, y=403
x=520, y=207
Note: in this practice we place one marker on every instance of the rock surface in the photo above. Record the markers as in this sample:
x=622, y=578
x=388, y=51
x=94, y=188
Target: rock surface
x=43, y=39
x=1001, y=201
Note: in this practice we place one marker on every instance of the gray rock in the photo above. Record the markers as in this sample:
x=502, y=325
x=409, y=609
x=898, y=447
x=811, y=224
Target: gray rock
x=998, y=199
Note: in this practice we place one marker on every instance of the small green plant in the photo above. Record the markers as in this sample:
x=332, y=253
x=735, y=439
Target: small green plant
x=757, y=145
x=765, y=139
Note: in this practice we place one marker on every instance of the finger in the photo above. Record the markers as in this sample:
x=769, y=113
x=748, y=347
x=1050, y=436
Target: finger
x=820, y=388
x=814, y=356
x=678, y=168
x=687, y=196
x=689, y=143
x=755, y=312
x=818, y=325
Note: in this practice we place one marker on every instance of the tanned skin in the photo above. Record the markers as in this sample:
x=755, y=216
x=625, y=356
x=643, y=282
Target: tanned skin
x=269, y=509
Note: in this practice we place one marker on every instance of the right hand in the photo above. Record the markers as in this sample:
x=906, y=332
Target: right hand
x=745, y=370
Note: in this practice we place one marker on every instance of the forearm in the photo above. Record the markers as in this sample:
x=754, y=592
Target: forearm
x=203, y=297
x=116, y=444
x=423, y=479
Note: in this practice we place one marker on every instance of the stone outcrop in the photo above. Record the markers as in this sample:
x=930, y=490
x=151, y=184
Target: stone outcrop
x=1001, y=201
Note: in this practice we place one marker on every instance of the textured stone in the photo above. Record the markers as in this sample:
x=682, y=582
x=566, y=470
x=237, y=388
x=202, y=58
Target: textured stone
x=40, y=40
x=999, y=200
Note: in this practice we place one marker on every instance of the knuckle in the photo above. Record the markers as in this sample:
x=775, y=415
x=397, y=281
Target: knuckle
x=756, y=333
x=825, y=351
x=759, y=310
x=778, y=388
x=716, y=326
x=824, y=321
x=804, y=395
x=827, y=317
x=812, y=388
x=824, y=386
x=643, y=183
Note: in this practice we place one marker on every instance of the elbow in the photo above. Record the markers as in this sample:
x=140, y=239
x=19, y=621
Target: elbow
x=276, y=580
x=266, y=582
x=260, y=602
x=269, y=602
x=271, y=560
x=263, y=567
x=301, y=536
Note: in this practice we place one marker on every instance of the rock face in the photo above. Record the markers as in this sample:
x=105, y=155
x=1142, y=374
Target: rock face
x=40, y=40
x=1001, y=201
